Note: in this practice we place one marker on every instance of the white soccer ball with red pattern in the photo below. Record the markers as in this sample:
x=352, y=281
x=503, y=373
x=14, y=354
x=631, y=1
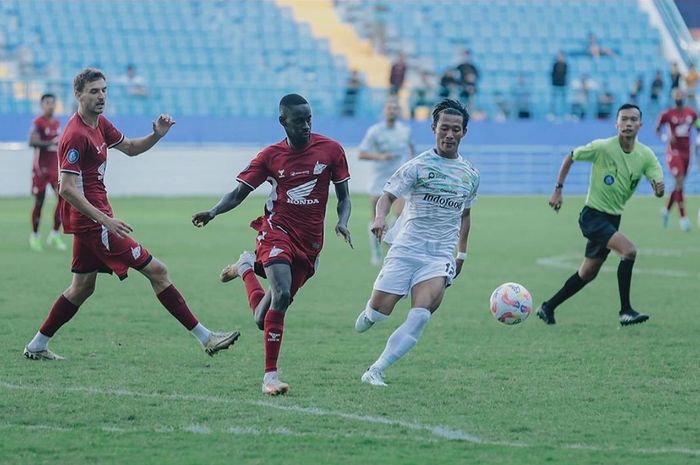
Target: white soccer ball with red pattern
x=511, y=303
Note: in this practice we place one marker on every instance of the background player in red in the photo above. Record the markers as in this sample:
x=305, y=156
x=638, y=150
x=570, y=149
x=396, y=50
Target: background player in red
x=681, y=120
x=101, y=242
x=300, y=169
x=43, y=136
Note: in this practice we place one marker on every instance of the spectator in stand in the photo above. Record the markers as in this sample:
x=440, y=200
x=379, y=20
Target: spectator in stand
x=423, y=93
x=397, y=74
x=502, y=107
x=448, y=84
x=675, y=77
x=657, y=88
x=636, y=90
x=560, y=71
x=581, y=91
x=352, y=89
x=469, y=79
x=521, y=97
x=605, y=102
x=595, y=50
x=380, y=12
x=135, y=85
x=691, y=84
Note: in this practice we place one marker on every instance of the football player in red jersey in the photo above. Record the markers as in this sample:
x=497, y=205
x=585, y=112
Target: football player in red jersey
x=101, y=242
x=43, y=136
x=300, y=169
x=681, y=120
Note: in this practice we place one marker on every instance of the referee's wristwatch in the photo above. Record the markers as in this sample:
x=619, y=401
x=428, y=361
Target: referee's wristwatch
x=559, y=185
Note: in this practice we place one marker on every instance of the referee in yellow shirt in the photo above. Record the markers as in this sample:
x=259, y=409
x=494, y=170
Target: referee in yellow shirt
x=618, y=165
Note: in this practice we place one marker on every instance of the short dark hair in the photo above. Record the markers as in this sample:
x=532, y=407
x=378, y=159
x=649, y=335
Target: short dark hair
x=85, y=76
x=291, y=100
x=451, y=107
x=47, y=96
x=629, y=106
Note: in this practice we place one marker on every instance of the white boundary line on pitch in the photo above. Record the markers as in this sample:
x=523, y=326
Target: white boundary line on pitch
x=572, y=260
x=439, y=431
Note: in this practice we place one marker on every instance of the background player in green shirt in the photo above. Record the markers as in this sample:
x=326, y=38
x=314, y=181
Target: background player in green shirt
x=618, y=165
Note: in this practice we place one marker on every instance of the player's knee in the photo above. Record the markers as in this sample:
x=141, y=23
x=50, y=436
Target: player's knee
x=630, y=253
x=79, y=293
x=39, y=199
x=281, y=299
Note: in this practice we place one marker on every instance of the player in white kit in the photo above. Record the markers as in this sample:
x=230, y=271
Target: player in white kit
x=387, y=145
x=441, y=187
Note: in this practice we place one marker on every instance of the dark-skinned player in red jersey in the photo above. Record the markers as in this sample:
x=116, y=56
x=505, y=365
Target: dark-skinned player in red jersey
x=101, y=242
x=290, y=233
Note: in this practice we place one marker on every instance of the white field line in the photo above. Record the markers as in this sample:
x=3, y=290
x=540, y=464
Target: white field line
x=572, y=260
x=438, y=431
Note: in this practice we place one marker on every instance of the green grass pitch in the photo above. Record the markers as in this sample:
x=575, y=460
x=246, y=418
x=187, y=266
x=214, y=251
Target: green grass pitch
x=136, y=388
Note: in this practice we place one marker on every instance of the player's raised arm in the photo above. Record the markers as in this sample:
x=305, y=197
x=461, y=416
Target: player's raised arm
x=556, y=199
x=133, y=147
x=344, y=207
x=227, y=202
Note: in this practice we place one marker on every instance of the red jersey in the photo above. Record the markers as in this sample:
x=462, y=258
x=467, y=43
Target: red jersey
x=45, y=160
x=82, y=150
x=300, y=182
x=680, y=122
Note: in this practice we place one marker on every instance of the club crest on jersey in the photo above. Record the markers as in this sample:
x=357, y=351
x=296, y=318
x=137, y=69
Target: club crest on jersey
x=319, y=167
x=73, y=156
x=275, y=251
x=609, y=180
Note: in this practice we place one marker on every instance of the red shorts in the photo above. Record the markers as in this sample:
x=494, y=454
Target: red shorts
x=677, y=162
x=100, y=250
x=41, y=178
x=276, y=246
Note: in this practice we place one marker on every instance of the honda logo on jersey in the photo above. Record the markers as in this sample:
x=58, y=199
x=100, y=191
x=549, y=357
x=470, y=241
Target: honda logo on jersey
x=299, y=194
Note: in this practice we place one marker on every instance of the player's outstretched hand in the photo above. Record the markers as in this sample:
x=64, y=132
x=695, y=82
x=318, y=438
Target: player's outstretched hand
x=344, y=232
x=117, y=227
x=556, y=200
x=202, y=218
x=659, y=188
x=162, y=125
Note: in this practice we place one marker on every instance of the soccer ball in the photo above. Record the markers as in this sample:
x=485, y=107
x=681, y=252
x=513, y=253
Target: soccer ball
x=511, y=303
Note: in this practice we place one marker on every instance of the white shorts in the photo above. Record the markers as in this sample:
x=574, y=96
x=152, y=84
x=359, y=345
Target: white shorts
x=399, y=274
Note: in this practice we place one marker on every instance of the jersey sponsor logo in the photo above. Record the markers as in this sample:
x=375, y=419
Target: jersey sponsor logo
x=609, y=179
x=443, y=202
x=136, y=252
x=319, y=167
x=299, y=194
x=275, y=251
x=296, y=173
x=73, y=156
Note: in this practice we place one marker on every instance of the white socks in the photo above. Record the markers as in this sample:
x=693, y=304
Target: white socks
x=201, y=333
x=38, y=343
x=404, y=338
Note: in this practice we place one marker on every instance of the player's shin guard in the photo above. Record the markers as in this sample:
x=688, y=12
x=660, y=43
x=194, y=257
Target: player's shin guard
x=572, y=285
x=624, y=283
x=404, y=338
x=174, y=303
x=274, y=328
x=61, y=313
x=253, y=288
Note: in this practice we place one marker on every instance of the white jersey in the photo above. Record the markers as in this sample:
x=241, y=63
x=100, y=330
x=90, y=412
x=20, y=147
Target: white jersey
x=381, y=138
x=438, y=189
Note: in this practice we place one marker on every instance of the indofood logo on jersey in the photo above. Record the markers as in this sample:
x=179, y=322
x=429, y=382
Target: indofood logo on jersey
x=443, y=202
x=298, y=195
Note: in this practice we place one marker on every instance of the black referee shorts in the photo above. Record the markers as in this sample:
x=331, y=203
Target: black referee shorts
x=598, y=227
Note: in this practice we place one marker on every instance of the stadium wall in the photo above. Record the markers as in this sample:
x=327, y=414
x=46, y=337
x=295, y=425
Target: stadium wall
x=513, y=159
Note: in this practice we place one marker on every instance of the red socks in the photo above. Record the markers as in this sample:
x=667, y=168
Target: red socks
x=274, y=327
x=61, y=312
x=173, y=301
x=252, y=288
